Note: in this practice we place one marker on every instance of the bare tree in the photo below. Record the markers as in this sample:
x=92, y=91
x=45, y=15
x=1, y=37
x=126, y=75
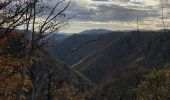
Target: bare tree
x=39, y=23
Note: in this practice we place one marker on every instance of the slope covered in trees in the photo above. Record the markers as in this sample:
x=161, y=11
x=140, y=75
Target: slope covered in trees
x=112, y=66
x=150, y=50
x=63, y=49
x=120, y=69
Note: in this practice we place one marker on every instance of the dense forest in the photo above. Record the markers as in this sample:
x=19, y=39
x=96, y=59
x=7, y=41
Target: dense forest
x=36, y=63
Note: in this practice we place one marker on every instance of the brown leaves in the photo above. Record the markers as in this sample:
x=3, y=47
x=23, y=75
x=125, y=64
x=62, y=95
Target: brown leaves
x=156, y=85
x=12, y=75
x=69, y=92
x=9, y=78
x=7, y=20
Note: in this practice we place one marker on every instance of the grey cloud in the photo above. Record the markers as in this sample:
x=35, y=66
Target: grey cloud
x=113, y=12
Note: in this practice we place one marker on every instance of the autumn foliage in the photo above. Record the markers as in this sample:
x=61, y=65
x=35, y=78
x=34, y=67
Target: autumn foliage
x=156, y=85
x=11, y=66
x=20, y=49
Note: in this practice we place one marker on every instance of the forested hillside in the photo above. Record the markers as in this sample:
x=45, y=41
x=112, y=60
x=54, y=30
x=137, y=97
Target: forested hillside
x=130, y=50
x=38, y=62
x=65, y=49
x=119, y=66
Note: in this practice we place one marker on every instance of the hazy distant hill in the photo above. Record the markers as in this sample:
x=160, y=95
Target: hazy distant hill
x=58, y=36
x=116, y=49
x=146, y=49
x=96, y=31
x=62, y=49
x=117, y=62
x=61, y=36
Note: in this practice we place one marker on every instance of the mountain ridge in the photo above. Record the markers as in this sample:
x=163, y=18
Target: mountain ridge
x=96, y=31
x=119, y=54
x=62, y=48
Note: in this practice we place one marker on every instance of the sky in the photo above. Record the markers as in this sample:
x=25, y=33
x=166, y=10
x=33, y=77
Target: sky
x=117, y=14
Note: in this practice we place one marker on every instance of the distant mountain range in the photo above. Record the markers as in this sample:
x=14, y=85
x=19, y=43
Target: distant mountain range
x=63, y=49
x=115, y=61
x=129, y=50
x=59, y=36
x=62, y=35
x=96, y=31
x=115, y=49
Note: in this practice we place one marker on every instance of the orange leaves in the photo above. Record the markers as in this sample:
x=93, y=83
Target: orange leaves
x=11, y=76
x=14, y=34
x=8, y=85
x=12, y=64
x=4, y=40
x=7, y=20
x=69, y=92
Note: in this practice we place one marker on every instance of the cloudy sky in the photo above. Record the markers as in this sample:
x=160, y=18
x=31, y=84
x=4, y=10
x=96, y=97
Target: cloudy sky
x=117, y=14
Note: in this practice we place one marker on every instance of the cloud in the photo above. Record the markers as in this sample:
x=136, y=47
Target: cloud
x=111, y=10
x=106, y=11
